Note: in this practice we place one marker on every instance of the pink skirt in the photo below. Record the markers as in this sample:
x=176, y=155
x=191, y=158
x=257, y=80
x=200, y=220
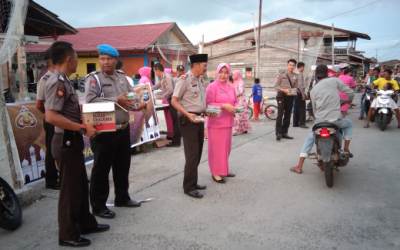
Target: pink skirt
x=219, y=149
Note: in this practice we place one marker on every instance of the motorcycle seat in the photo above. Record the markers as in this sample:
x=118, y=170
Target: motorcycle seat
x=325, y=125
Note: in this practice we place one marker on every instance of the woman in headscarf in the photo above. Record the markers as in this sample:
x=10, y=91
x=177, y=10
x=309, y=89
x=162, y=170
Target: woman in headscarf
x=145, y=75
x=220, y=96
x=241, y=122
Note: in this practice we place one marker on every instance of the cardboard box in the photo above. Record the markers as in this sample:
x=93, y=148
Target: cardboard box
x=101, y=115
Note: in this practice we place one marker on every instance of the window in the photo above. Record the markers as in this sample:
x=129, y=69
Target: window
x=90, y=67
x=249, y=73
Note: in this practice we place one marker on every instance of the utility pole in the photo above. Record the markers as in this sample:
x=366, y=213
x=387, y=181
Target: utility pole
x=201, y=45
x=298, y=44
x=258, y=40
x=333, y=45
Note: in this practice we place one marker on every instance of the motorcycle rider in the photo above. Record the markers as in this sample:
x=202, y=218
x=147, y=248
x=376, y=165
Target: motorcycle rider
x=384, y=83
x=326, y=107
x=369, y=79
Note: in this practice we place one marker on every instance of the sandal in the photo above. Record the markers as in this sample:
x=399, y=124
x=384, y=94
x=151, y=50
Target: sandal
x=296, y=170
x=231, y=175
x=349, y=154
x=222, y=180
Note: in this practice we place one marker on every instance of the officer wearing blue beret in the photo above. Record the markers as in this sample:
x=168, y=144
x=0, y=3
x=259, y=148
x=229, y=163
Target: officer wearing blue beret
x=110, y=149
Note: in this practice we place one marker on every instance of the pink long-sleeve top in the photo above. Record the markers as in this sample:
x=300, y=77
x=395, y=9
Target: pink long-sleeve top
x=348, y=80
x=217, y=94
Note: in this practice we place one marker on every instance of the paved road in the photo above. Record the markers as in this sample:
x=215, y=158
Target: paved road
x=264, y=207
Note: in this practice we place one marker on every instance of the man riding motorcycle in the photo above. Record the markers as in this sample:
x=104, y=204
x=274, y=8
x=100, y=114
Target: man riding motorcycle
x=372, y=75
x=326, y=106
x=384, y=83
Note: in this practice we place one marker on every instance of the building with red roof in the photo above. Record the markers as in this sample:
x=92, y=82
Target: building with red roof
x=139, y=45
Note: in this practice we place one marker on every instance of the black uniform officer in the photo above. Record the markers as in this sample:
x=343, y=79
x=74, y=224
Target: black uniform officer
x=189, y=100
x=284, y=84
x=63, y=111
x=111, y=149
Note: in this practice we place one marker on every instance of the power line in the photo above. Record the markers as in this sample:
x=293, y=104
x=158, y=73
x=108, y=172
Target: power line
x=349, y=11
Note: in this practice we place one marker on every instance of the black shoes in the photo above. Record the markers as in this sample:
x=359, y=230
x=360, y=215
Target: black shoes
x=286, y=136
x=53, y=186
x=201, y=187
x=173, y=145
x=105, y=213
x=81, y=242
x=304, y=126
x=194, y=194
x=278, y=137
x=231, y=175
x=128, y=203
x=99, y=229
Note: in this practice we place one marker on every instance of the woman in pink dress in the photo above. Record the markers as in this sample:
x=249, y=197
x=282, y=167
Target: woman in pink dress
x=220, y=94
x=241, y=122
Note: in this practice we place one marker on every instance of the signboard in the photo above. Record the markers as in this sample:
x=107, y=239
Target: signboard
x=27, y=125
x=144, y=124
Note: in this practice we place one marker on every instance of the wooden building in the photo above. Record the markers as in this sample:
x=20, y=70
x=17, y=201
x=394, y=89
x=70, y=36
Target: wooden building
x=281, y=40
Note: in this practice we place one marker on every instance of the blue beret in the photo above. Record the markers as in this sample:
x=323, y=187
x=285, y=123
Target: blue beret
x=106, y=49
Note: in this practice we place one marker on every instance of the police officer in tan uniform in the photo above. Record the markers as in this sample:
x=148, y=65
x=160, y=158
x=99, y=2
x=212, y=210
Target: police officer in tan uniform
x=189, y=100
x=111, y=149
x=51, y=177
x=63, y=111
x=284, y=82
x=166, y=85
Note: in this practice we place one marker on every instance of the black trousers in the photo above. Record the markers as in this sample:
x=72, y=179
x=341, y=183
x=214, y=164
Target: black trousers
x=175, y=119
x=299, y=111
x=51, y=170
x=73, y=205
x=111, y=150
x=193, y=140
x=285, y=105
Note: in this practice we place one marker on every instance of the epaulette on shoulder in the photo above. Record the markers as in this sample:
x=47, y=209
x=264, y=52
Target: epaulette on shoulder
x=46, y=77
x=120, y=71
x=92, y=74
x=61, y=78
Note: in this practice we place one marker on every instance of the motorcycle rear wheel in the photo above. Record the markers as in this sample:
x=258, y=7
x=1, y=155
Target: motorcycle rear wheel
x=328, y=171
x=10, y=209
x=383, y=122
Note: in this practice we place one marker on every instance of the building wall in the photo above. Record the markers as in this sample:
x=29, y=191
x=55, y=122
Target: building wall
x=83, y=61
x=279, y=43
x=131, y=65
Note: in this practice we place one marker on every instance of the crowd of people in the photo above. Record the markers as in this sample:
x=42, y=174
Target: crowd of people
x=218, y=109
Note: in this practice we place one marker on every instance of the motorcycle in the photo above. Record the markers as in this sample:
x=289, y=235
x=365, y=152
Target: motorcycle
x=329, y=153
x=369, y=95
x=384, y=113
x=10, y=208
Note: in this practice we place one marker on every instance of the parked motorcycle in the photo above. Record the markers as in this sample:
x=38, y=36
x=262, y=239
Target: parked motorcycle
x=329, y=153
x=383, y=114
x=10, y=209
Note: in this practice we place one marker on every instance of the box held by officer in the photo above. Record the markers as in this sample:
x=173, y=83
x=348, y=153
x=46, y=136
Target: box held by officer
x=101, y=115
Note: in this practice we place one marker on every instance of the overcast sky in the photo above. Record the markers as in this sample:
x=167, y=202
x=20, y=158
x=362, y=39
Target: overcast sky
x=218, y=18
